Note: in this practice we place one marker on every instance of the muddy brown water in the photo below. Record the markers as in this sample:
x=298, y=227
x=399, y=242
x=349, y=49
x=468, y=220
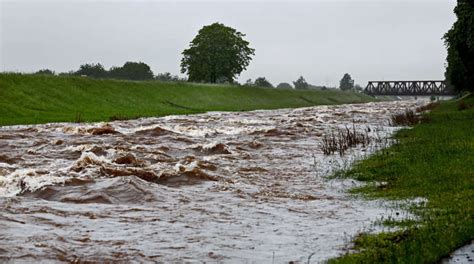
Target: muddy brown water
x=216, y=187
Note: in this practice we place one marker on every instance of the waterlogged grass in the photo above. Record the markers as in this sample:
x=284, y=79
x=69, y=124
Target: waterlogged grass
x=434, y=160
x=29, y=99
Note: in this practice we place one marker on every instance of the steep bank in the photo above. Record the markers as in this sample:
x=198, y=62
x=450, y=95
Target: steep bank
x=30, y=99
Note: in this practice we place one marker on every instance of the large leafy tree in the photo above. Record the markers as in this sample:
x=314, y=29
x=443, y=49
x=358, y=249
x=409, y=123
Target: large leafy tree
x=217, y=54
x=346, y=83
x=460, y=43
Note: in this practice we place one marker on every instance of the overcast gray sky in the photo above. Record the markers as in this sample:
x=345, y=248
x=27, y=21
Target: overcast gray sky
x=320, y=40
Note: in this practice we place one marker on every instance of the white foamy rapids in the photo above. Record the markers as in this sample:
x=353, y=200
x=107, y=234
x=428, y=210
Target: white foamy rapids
x=22, y=180
x=88, y=158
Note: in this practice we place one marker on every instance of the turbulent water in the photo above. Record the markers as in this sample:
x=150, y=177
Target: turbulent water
x=215, y=187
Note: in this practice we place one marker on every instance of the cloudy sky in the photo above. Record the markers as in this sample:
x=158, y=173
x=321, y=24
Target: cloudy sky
x=320, y=40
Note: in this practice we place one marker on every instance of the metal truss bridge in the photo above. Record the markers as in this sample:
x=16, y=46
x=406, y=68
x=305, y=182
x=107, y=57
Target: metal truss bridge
x=401, y=88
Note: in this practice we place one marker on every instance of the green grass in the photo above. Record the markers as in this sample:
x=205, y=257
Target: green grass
x=30, y=99
x=434, y=160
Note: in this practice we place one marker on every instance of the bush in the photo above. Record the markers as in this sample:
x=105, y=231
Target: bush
x=262, y=82
x=284, y=85
x=45, y=72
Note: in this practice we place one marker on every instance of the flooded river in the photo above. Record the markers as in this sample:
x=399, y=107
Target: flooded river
x=246, y=187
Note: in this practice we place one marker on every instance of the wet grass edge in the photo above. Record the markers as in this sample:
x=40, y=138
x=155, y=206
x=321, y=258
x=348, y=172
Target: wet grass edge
x=434, y=160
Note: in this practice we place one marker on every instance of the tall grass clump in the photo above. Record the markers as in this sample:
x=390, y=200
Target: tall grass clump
x=407, y=118
x=427, y=107
x=343, y=139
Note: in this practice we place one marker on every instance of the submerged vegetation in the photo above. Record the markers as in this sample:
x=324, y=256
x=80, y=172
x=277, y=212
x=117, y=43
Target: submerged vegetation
x=407, y=118
x=28, y=99
x=343, y=139
x=434, y=160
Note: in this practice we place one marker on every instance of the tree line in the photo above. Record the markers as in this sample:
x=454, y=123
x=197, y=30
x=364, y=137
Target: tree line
x=141, y=71
x=137, y=71
x=345, y=84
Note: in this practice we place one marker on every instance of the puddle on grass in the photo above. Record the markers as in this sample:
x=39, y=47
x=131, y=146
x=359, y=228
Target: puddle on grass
x=463, y=254
x=215, y=187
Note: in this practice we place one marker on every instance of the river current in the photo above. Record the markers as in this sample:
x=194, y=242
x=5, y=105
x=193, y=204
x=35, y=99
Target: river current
x=238, y=187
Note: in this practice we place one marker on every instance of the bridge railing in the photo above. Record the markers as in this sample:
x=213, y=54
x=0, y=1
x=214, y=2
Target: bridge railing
x=409, y=88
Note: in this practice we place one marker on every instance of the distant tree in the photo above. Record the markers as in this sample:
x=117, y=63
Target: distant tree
x=284, y=85
x=116, y=72
x=263, y=82
x=459, y=41
x=67, y=73
x=301, y=83
x=217, y=53
x=236, y=83
x=346, y=82
x=132, y=71
x=168, y=77
x=45, y=72
x=92, y=70
x=358, y=88
x=165, y=77
x=249, y=82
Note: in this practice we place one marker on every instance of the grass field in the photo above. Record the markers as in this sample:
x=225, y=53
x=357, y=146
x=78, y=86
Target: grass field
x=434, y=160
x=30, y=99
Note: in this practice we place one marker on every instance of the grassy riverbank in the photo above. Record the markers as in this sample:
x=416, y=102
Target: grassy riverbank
x=434, y=160
x=29, y=99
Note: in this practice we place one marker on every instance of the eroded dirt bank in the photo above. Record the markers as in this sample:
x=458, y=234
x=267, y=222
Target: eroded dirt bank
x=230, y=187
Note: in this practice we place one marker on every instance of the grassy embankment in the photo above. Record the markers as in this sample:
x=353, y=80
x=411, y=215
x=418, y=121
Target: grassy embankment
x=434, y=160
x=30, y=99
